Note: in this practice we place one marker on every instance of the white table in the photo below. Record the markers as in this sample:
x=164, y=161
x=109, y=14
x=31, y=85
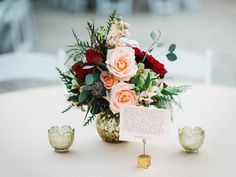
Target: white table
x=25, y=117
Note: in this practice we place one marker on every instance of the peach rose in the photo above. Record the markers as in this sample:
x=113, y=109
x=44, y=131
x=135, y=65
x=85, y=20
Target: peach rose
x=108, y=79
x=121, y=94
x=121, y=63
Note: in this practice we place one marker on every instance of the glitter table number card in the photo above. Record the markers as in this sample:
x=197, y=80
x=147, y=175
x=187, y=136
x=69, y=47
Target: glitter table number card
x=149, y=123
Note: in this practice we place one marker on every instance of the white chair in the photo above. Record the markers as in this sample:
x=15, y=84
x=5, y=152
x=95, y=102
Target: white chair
x=107, y=6
x=190, y=66
x=28, y=65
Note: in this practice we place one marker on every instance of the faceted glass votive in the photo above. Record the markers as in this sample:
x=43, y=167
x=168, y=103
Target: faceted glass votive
x=143, y=161
x=191, y=139
x=61, y=138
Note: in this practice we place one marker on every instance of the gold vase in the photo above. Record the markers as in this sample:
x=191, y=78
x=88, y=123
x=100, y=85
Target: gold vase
x=108, y=127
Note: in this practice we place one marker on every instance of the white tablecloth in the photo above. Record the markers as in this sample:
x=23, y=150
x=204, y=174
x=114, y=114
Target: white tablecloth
x=25, y=117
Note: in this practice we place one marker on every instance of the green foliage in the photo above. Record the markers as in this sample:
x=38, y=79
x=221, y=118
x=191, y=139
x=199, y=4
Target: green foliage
x=87, y=87
x=89, y=79
x=67, y=109
x=153, y=35
x=67, y=80
x=84, y=95
x=162, y=102
x=136, y=79
x=96, y=106
x=91, y=31
x=111, y=20
x=77, y=51
x=160, y=44
x=168, y=97
x=89, y=120
x=73, y=98
x=171, y=57
x=147, y=83
x=172, y=48
x=174, y=90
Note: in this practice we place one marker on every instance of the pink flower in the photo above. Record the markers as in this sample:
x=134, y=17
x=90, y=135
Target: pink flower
x=121, y=63
x=121, y=94
x=108, y=79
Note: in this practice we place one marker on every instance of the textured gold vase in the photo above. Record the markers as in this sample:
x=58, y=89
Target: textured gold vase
x=108, y=127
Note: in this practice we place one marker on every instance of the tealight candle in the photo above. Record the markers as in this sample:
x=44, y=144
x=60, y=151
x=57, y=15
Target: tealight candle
x=191, y=139
x=61, y=138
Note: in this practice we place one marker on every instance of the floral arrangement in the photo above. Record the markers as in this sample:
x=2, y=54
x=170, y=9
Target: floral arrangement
x=111, y=70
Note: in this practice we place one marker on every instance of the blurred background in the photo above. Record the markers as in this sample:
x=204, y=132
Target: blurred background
x=34, y=35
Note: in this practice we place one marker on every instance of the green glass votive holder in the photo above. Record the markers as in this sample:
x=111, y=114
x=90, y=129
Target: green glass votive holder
x=61, y=138
x=191, y=139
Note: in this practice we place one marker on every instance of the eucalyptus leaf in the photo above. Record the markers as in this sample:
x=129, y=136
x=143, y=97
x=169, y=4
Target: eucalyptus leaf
x=171, y=57
x=95, y=77
x=84, y=96
x=87, y=87
x=153, y=35
x=172, y=48
x=160, y=44
x=89, y=79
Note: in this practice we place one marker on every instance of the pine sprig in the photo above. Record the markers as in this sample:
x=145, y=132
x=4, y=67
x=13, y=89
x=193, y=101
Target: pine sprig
x=89, y=120
x=111, y=20
x=92, y=32
x=67, y=80
x=77, y=51
x=67, y=109
x=84, y=45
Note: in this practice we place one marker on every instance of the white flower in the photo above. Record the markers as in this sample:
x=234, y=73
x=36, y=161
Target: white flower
x=146, y=97
x=125, y=42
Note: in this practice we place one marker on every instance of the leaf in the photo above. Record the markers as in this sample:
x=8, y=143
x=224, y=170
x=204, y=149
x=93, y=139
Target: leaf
x=153, y=35
x=84, y=96
x=75, y=91
x=169, y=91
x=172, y=48
x=160, y=44
x=137, y=79
x=89, y=79
x=147, y=82
x=87, y=87
x=171, y=57
x=95, y=77
x=111, y=20
x=73, y=98
x=65, y=78
x=89, y=120
x=67, y=109
x=88, y=67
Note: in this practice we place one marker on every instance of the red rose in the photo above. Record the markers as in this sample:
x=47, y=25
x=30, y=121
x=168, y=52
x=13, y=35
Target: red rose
x=139, y=54
x=80, y=72
x=93, y=57
x=155, y=65
x=150, y=62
